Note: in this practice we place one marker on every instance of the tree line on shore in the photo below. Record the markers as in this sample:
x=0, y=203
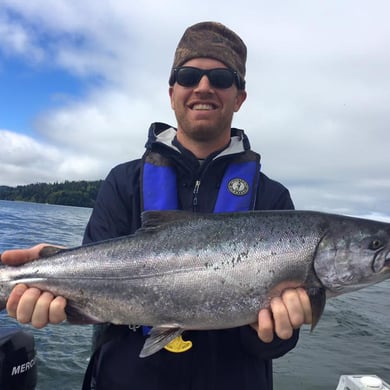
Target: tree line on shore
x=69, y=193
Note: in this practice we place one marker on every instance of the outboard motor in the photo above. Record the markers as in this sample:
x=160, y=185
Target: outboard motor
x=18, y=368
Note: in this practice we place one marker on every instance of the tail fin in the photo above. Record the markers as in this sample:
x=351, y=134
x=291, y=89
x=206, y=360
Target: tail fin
x=4, y=286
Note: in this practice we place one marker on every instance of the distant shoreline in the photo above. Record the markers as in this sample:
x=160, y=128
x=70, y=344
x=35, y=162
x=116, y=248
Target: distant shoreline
x=69, y=193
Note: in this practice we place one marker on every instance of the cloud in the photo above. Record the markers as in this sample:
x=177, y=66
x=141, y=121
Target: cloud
x=19, y=149
x=16, y=39
x=102, y=124
x=317, y=77
x=24, y=160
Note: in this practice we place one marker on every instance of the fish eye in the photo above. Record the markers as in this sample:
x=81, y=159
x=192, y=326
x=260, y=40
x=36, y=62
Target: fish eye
x=375, y=244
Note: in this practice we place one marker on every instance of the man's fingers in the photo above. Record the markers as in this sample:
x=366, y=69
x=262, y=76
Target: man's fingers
x=27, y=304
x=39, y=308
x=48, y=309
x=30, y=304
x=14, y=298
x=288, y=312
x=265, y=327
x=20, y=256
x=57, y=310
x=293, y=304
x=282, y=324
x=40, y=315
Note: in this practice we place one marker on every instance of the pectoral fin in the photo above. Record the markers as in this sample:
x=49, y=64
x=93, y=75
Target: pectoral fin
x=317, y=298
x=159, y=337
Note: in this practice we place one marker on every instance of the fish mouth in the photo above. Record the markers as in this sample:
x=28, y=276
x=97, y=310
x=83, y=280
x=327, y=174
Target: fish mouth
x=387, y=260
x=381, y=261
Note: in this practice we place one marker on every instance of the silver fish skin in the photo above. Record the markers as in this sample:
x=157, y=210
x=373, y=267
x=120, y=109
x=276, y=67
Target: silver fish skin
x=184, y=271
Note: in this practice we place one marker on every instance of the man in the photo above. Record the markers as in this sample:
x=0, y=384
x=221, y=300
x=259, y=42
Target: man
x=203, y=165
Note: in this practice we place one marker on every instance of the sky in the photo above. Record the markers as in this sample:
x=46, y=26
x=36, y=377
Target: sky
x=81, y=81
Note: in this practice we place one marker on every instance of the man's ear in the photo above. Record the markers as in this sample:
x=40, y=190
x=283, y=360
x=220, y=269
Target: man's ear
x=240, y=98
x=170, y=91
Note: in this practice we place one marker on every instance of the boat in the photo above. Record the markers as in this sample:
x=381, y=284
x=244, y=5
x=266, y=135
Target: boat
x=18, y=369
x=362, y=382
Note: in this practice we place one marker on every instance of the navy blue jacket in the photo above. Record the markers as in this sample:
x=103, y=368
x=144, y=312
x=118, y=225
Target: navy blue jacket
x=224, y=359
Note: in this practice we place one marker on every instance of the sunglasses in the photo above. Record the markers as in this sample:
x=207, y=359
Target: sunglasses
x=222, y=78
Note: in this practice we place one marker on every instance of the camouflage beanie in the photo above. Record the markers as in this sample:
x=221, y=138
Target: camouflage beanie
x=212, y=40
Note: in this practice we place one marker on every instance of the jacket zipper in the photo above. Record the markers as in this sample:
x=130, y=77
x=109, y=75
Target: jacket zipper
x=195, y=195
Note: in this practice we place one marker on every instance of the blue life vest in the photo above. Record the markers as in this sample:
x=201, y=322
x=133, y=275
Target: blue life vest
x=237, y=191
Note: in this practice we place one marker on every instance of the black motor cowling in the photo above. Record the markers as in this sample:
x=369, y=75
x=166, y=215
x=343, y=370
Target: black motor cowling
x=18, y=369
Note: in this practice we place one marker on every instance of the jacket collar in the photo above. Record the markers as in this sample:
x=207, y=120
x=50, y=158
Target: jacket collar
x=163, y=134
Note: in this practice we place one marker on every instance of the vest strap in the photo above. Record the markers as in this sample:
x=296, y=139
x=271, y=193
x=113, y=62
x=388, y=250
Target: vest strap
x=159, y=184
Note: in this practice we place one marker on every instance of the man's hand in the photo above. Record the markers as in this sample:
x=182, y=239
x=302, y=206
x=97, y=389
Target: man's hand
x=288, y=312
x=30, y=304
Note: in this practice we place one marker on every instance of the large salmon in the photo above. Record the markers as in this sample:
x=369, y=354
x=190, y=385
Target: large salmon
x=192, y=271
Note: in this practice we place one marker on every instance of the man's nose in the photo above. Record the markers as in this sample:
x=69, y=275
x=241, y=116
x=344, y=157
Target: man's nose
x=204, y=83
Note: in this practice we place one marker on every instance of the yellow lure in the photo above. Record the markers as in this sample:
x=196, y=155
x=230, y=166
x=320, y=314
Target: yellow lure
x=178, y=345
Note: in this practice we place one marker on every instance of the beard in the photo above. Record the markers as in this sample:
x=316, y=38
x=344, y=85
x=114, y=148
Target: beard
x=204, y=130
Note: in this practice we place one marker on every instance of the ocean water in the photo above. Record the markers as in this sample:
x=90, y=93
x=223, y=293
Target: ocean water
x=352, y=337
x=62, y=350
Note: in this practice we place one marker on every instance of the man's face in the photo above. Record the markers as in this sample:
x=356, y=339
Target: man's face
x=204, y=113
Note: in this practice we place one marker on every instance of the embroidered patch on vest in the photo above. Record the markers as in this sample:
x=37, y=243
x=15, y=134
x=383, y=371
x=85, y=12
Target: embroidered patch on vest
x=238, y=187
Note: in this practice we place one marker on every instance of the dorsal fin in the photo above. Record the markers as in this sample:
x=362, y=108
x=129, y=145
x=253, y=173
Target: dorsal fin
x=154, y=219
